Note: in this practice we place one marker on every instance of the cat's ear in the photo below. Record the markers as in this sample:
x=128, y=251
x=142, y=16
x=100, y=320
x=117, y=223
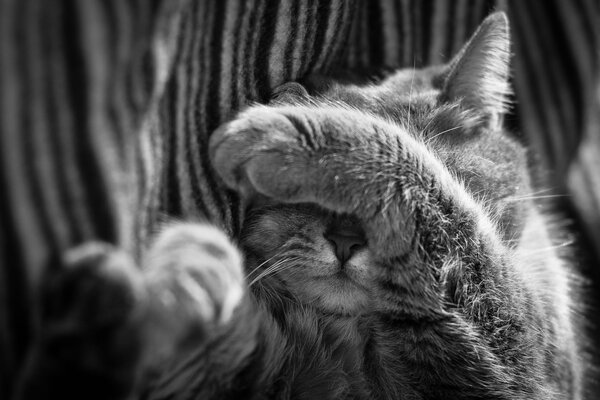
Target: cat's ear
x=478, y=75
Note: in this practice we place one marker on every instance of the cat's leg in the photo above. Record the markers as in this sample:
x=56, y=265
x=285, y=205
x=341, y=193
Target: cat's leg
x=89, y=342
x=467, y=322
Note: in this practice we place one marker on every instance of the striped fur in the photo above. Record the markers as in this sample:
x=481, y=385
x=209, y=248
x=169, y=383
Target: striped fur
x=106, y=108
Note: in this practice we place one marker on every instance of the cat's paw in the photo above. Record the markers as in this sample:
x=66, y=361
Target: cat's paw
x=195, y=280
x=263, y=151
x=91, y=313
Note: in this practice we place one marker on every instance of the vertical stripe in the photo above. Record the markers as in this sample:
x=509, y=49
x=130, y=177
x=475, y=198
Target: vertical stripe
x=39, y=154
x=277, y=59
x=459, y=22
x=86, y=95
x=299, y=25
x=426, y=23
x=308, y=45
x=407, y=35
x=233, y=73
x=391, y=34
x=344, y=32
x=291, y=41
x=322, y=26
x=180, y=83
x=526, y=51
x=70, y=177
x=437, y=52
x=250, y=56
x=192, y=79
x=417, y=35
x=229, y=50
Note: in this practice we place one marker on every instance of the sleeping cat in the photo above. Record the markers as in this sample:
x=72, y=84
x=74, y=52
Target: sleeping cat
x=390, y=251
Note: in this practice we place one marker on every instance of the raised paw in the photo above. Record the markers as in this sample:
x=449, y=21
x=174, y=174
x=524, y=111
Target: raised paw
x=259, y=152
x=195, y=280
x=326, y=155
x=89, y=345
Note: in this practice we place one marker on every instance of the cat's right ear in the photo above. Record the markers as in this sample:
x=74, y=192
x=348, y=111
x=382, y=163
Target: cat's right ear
x=478, y=75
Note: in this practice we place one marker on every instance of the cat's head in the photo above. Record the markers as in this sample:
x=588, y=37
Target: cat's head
x=456, y=109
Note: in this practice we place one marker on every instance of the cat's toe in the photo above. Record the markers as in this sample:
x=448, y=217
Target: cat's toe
x=195, y=281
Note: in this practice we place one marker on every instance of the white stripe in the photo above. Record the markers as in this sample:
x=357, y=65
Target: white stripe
x=277, y=54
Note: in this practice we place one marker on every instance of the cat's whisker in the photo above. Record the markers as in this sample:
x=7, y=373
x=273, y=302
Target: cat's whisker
x=412, y=79
x=525, y=198
x=429, y=140
x=256, y=269
x=277, y=267
x=265, y=272
x=549, y=248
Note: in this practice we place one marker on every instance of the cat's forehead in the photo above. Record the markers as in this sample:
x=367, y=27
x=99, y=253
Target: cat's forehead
x=409, y=82
x=407, y=91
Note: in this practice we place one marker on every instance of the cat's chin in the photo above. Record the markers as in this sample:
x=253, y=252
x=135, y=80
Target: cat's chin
x=337, y=294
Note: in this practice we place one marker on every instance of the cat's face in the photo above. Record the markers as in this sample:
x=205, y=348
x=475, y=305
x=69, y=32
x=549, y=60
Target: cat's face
x=322, y=258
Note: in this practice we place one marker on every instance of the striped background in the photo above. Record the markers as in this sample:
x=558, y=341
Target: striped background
x=106, y=107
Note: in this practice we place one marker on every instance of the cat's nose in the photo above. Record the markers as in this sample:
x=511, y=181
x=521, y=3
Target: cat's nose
x=345, y=244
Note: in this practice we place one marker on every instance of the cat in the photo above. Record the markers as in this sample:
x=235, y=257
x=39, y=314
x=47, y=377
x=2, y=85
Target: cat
x=390, y=250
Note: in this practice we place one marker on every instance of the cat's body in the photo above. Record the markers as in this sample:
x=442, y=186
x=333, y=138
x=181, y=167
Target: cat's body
x=391, y=251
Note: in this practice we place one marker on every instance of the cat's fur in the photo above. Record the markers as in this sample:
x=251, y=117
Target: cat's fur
x=453, y=291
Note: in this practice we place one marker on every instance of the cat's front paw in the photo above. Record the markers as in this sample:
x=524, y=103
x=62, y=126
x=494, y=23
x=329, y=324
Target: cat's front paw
x=263, y=151
x=195, y=281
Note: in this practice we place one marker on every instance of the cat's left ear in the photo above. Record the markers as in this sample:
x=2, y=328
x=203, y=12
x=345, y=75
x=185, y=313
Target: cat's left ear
x=478, y=74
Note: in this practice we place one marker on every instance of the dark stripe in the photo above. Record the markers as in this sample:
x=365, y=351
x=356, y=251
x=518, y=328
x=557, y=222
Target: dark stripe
x=449, y=32
x=262, y=72
x=56, y=133
x=249, y=51
x=216, y=46
x=190, y=103
x=212, y=120
x=308, y=46
x=321, y=27
x=117, y=86
x=303, y=131
x=344, y=34
x=28, y=149
x=16, y=325
x=375, y=24
x=532, y=88
x=96, y=191
x=417, y=36
x=171, y=196
x=425, y=21
x=540, y=83
x=291, y=42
